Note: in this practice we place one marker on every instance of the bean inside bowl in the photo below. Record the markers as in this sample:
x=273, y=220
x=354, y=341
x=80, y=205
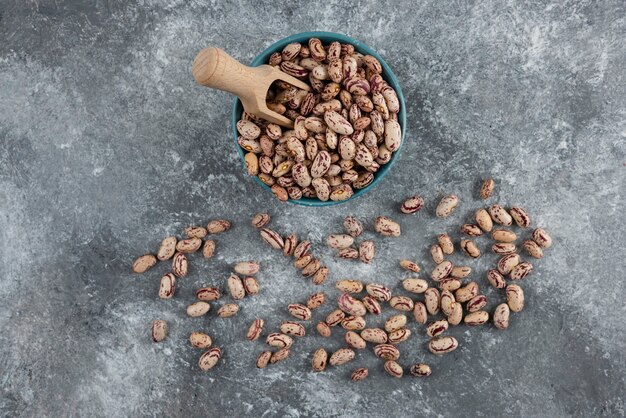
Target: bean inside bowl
x=387, y=75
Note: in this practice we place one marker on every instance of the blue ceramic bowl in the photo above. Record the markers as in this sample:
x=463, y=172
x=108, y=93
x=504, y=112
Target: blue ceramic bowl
x=326, y=38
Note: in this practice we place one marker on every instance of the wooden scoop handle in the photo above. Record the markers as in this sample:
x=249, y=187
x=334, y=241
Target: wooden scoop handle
x=215, y=68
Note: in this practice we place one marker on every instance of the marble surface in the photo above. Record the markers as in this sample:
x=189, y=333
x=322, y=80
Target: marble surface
x=107, y=145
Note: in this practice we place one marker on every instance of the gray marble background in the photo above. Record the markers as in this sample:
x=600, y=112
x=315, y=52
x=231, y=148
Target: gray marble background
x=107, y=145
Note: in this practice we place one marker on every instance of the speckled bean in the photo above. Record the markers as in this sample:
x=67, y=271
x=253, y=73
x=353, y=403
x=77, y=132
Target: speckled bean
x=446, y=206
x=442, y=345
x=501, y=316
x=515, y=297
x=499, y=215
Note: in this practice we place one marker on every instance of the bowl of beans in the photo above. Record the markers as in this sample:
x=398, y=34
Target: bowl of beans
x=348, y=128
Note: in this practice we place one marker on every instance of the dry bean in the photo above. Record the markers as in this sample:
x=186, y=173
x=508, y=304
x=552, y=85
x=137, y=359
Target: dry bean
x=503, y=235
x=279, y=355
x=503, y=248
x=354, y=340
x=500, y=215
x=456, y=314
x=323, y=329
x=447, y=205
x=415, y=285
x=341, y=356
x=410, y=266
x=386, y=352
x=395, y=322
x=209, y=359
x=441, y=271
x=420, y=313
x=437, y=254
x=392, y=135
x=279, y=340
x=412, y=205
x=299, y=311
x=208, y=249
x=302, y=249
x=167, y=248
x=255, y=330
x=466, y=293
x=353, y=323
x=190, y=245
x=200, y=340
x=483, y=219
x=476, y=318
x=339, y=241
x=533, y=249
x=495, y=279
x=506, y=263
x=235, y=287
x=158, y=330
x=359, y=374
x=446, y=301
x=486, y=190
x=432, y=300
x=247, y=267
x=436, y=328
x=289, y=244
x=469, y=248
x=520, y=216
x=420, y=370
x=471, y=230
x=442, y=345
x=351, y=306
x=248, y=129
x=280, y=193
x=371, y=305
x=263, y=359
x=320, y=276
x=541, y=237
x=449, y=283
x=374, y=335
x=367, y=251
x=303, y=261
x=335, y=317
x=521, y=270
x=272, y=238
x=197, y=309
x=311, y=268
x=315, y=300
x=353, y=226
x=399, y=335
x=401, y=303
x=144, y=263
x=387, y=227
x=378, y=292
x=349, y=253
x=445, y=243
x=501, y=316
x=228, y=310
x=476, y=303
x=168, y=286
x=218, y=226
x=208, y=294
x=393, y=369
x=460, y=272
x=515, y=297
x=318, y=362
x=349, y=286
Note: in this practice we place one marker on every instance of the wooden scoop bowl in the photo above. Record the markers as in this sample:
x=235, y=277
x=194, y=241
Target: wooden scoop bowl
x=215, y=68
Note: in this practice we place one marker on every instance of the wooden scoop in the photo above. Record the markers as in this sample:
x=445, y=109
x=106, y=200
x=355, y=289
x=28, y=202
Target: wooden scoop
x=215, y=68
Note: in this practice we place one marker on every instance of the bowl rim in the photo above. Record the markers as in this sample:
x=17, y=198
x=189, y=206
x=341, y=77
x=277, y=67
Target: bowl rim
x=388, y=75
